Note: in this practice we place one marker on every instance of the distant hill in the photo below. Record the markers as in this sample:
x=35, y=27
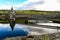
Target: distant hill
x=31, y=12
x=34, y=12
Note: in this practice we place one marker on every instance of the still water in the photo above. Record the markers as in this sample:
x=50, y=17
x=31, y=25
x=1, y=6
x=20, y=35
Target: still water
x=24, y=30
x=6, y=31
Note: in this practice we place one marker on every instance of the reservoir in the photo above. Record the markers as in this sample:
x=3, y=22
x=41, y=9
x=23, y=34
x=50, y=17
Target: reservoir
x=5, y=31
x=24, y=30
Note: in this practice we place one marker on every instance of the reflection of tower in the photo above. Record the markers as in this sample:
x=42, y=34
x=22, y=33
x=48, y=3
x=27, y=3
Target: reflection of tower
x=12, y=18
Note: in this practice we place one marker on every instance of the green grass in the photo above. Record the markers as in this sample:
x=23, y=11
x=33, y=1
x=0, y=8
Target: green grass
x=20, y=21
x=42, y=13
x=2, y=21
x=31, y=12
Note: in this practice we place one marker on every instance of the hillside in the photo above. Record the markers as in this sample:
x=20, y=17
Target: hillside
x=30, y=12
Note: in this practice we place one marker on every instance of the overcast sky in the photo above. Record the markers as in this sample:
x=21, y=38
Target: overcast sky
x=46, y=5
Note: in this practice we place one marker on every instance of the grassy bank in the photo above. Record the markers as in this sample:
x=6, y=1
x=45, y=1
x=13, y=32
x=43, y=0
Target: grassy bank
x=49, y=14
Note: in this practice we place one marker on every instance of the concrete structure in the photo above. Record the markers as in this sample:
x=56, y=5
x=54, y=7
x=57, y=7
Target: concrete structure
x=12, y=18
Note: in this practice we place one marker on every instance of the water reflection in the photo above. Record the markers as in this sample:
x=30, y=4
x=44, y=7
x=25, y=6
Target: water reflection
x=5, y=31
x=23, y=30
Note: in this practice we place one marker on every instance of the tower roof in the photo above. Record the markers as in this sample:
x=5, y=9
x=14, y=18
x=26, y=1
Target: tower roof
x=11, y=8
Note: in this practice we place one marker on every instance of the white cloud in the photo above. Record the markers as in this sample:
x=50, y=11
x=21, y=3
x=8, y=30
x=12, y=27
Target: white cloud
x=34, y=0
x=5, y=7
x=49, y=5
x=28, y=3
x=22, y=6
